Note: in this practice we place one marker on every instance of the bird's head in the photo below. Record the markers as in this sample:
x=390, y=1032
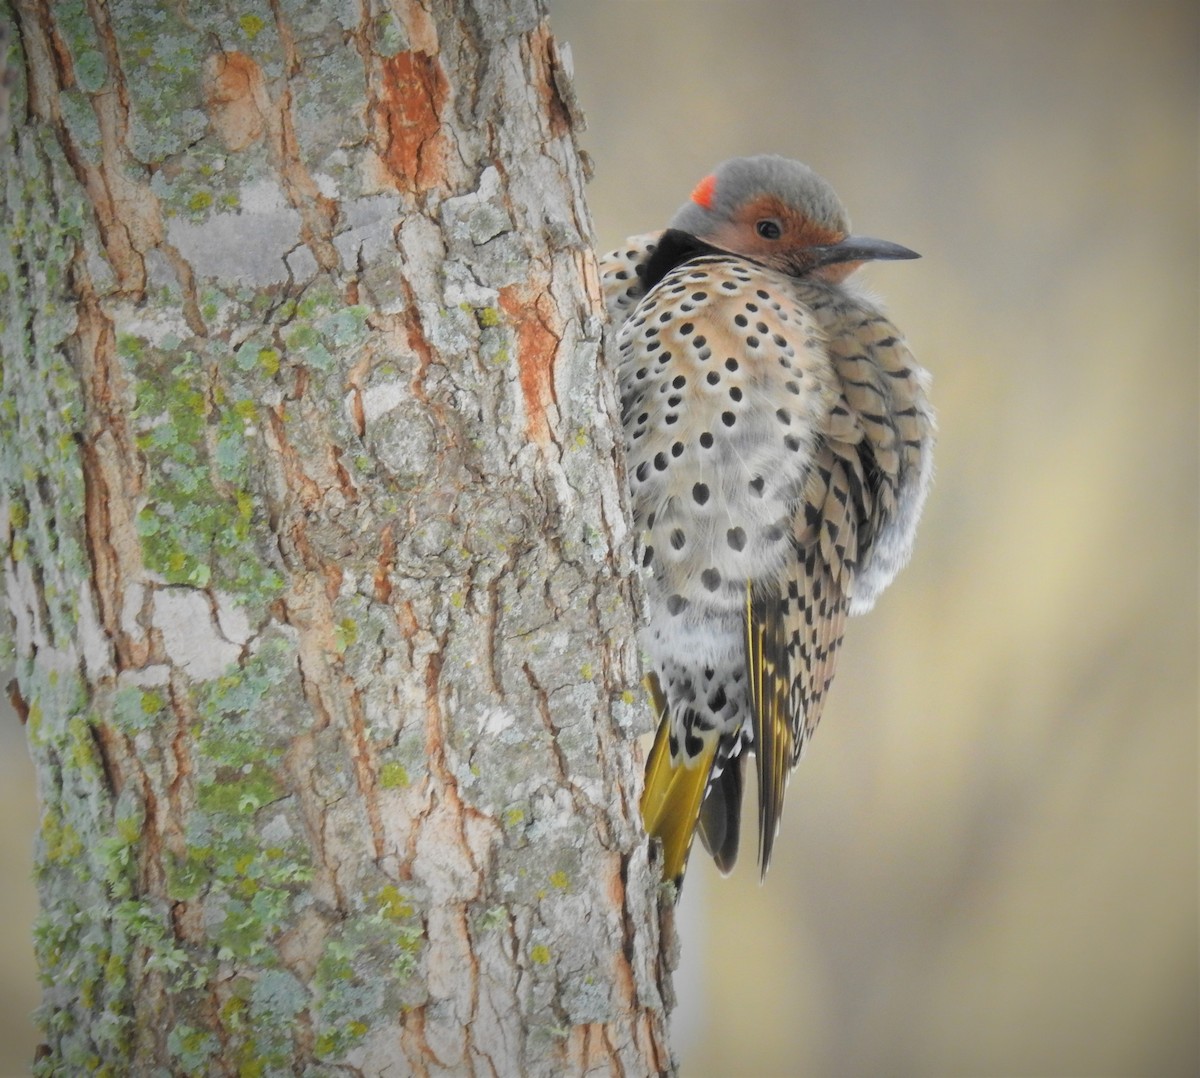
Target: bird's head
x=782, y=214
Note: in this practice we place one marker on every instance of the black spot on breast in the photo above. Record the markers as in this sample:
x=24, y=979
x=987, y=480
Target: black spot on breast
x=784, y=417
x=676, y=604
x=735, y=393
x=677, y=449
x=757, y=484
x=731, y=364
x=647, y=557
x=713, y=378
x=706, y=440
x=711, y=579
x=700, y=493
x=660, y=461
x=728, y=418
x=736, y=538
x=792, y=442
x=678, y=539
x=642, y=471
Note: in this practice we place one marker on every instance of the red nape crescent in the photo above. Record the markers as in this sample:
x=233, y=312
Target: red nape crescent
x=702, y=194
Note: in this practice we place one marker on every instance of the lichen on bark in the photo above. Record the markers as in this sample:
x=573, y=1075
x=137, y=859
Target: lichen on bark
x=314, y=548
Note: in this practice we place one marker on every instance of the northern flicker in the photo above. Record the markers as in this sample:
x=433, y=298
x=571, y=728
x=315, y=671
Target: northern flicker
x=778, y=445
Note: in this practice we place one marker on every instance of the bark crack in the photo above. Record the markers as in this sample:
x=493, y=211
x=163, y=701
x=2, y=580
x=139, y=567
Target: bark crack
x=318, y=213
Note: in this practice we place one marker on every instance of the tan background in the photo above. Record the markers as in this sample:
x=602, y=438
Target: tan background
x=989, y=857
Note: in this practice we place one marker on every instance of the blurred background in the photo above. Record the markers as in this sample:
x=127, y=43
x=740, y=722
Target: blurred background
x=988, y=863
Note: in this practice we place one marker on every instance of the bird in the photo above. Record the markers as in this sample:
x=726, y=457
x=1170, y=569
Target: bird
x=778, y=446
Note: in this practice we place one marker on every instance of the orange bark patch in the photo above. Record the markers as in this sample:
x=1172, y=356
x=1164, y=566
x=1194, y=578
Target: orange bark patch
x=384, y=564
x=537, y=344
x=234, y=98
x=415, y=90
x=551, y=80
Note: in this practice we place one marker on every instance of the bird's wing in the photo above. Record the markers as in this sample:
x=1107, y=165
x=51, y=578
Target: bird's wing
x=853, y=532
x=794, y=631
x=775, y=724
x=885, y=440
x=620, y=280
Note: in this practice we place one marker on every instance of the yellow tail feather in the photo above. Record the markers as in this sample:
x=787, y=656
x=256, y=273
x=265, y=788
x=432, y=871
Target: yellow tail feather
x=671, y=799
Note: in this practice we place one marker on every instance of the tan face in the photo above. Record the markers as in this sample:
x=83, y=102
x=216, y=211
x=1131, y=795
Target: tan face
x=777, y=235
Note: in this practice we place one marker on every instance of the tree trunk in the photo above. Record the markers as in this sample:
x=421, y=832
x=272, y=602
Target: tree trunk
x=315, y=550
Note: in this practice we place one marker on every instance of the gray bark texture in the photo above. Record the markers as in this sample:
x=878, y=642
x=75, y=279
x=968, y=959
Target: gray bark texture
x=317, y=580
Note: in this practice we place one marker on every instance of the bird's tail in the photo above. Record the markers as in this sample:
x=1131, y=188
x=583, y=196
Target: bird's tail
x=673, y=793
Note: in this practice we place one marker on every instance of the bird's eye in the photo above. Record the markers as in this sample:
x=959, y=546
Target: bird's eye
x=769, y=229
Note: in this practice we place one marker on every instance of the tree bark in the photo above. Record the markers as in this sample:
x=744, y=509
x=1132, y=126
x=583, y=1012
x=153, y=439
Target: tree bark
x=314, y=548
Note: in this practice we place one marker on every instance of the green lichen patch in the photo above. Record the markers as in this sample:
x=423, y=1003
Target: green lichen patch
x=198, y=440
x=192, y=1050
x=257, y=1018
x=366, y=971
x=249, y=884
x=393, y=776
x=41, y=398
x=251, y=25
x=134, y=709
x=162, y=58
x=242, y=790
x=560, y=880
